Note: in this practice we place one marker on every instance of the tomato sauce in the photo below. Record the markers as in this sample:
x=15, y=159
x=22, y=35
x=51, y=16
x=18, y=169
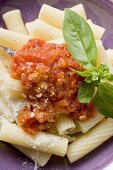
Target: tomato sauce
x=50, y=87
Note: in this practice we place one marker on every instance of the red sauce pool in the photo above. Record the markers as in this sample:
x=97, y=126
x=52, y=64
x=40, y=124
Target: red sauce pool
x=49, y=85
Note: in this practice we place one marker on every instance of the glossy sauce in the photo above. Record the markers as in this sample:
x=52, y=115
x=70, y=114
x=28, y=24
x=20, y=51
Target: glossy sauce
x=50, y=86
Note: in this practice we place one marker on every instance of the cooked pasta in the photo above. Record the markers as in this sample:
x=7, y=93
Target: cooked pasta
x=41, y=142
x=109, y=53
x=12, y=39
x=55, y=16
x=79, y=9
x=101, y=53
x=13, y=87
x=65, y=125
x=40, y=158
x=97, y=34
x=40, y=29
x=85, y=126
x=14, y=22
x=102, y=56
x=90, y=140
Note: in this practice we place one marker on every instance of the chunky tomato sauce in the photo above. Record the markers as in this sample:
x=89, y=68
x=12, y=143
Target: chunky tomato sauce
x=50, y=87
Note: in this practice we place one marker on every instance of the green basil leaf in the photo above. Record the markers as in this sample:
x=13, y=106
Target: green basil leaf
x=86, y=92
x=103, y=99
x=99, y=105
x=79, y=39
x=111, y=77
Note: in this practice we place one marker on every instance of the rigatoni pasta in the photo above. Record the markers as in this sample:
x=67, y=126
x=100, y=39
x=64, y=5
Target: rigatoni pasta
x=109, y=53
x=79, y=9
x=38, y=157
x=9, y=85
x=85, y=126
x=97, y=34
x=90, y=140
x=101, y=53
x=65, y=125
x=12, y=39
x=41, y=142
x=50, y=14
x=14, y=22
x=40, y=29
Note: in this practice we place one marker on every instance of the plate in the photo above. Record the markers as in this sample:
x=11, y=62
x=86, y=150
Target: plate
x=101, y=12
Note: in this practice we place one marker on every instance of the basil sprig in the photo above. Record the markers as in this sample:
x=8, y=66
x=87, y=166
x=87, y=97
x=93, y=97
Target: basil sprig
x=103, y=100
x=97, y=86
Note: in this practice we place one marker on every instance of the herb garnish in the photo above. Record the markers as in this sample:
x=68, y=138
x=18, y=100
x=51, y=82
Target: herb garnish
x=81, y=44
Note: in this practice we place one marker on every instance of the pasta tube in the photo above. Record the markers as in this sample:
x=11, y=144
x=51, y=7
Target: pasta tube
x=109, y=53
x=79, y=9
x=90, y=140
x=101, y=53
x=13, y=87
x=98, y=31
x=38, y=157
x=14, y=22
x=12, y=39
x=40, y=29
x=55, y=17
x=84, y=126
x=42, y=141
x=102, y=56
x=65, y=125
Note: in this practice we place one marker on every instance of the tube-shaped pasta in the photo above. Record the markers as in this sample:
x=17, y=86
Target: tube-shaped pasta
x=10, y=91
x=40, y=158
x=14, y=22
x=13, y=87
x=55, y=17
x=84, y=126
x=42, y=141
x=40, y=29
x=79, y=9
x=5, y=58
x=109, y=53
x=90, y=140
x=12, y=39
x=51, y=15
x=101, y=53
x=102, y=56
x=65, y=125
x=98, y=31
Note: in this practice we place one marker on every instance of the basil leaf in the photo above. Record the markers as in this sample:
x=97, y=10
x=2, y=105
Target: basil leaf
x=99, y=105
x=111, y=77
x=86, y=92
x=79, y=39
x=103, y=100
